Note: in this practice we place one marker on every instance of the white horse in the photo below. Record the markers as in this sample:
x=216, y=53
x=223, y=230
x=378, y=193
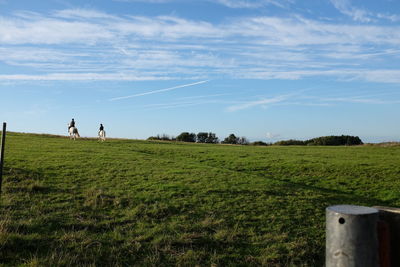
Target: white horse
x=73, y=133
x=102, y=135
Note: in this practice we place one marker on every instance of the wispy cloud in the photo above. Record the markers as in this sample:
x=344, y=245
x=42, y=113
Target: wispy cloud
x=262, y=102
x=272, y=135
x=148, y=1
x=103, y=46
x=158, y=91
x=84, y=14
x=182, y=104
x=357, y=14
x=202, y=96
x=227, y=3
x=358, y=100
x=70, y=26
x=301, y=99
x=82, y=77
x=251, y=4
x=390, y=17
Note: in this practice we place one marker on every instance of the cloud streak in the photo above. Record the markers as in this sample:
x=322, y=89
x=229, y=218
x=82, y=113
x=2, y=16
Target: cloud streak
x=357, y=14
x=158, y=91
x=87, y=44
x=262, y=102
x=228, y=3
x=250, y=4
x=299, y=99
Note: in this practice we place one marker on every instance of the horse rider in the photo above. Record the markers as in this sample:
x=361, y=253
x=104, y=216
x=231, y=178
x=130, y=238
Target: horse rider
x=71, y=124
x=101, y=127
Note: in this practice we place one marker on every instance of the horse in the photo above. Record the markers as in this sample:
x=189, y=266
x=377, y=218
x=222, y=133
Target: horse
x=73, y=133
x=102, y=135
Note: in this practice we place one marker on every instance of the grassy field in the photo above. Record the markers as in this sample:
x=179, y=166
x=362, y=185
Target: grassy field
x=127, y=202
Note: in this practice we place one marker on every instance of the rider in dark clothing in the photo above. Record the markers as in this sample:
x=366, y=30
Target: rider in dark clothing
x=101, y=127
x=71, y=124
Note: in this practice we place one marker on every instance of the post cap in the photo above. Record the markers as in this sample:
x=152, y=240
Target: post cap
x=352, y=209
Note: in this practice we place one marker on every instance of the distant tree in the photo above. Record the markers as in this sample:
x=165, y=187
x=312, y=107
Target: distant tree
x=163, y=137
x=290, y=142
x=335, y=141
x=259, y=143
x=212, y=138
x=166, y=137
x=354, y=140
x=202, y=137
x=231, y=139
x=324, y=141
x=243, y=141
x=186, y=137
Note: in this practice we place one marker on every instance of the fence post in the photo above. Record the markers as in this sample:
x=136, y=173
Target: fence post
x=391, y=217
x=3, y=143
x=351, y=236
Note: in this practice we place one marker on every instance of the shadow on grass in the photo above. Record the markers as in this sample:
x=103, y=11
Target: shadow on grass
x=17, y=180
x=334, y=196
x=85, y=236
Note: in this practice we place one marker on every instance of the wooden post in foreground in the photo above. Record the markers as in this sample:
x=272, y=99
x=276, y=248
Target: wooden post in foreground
x=391, y=218
x=351, y=236
x=3, y=143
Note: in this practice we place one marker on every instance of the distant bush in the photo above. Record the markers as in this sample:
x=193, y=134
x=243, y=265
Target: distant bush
x=259, y=143
x=163, y=137
x=343, y=140
x=290, y=142
x=243, y=141
x=202, y=137
x=186, y=137
x=231, y=139
x=212, y=138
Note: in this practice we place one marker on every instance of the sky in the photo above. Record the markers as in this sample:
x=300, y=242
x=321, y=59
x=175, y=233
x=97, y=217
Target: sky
x=265, y=69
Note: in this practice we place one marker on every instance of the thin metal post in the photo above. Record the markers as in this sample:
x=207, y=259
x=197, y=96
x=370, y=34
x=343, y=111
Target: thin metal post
x=3, y=144
x=351, y=236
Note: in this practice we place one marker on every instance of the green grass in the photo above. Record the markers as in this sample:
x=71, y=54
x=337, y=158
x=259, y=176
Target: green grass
x=127, y=202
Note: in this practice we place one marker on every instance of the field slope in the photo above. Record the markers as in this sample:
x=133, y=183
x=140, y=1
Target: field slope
x=127, y=202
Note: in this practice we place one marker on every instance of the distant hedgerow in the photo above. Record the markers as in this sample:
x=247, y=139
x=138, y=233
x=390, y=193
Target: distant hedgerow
x=343, y=140
x=163, y=137
x=260, y=143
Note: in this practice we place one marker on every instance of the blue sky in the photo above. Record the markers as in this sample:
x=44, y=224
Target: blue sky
x=265, y=69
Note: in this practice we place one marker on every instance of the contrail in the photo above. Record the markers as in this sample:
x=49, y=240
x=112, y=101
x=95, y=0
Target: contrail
x=158, y=91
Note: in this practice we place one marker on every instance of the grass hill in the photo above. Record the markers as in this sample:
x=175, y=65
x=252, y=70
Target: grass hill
x=146, y=203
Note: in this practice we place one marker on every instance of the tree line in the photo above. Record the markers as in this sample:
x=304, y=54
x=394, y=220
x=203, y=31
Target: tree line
x=202, y=137
x=211, y=138
x=332, y=140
